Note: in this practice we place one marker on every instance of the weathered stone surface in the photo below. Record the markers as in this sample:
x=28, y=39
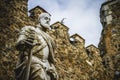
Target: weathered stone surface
x=13, y=16
x=110, y=38
x=74, y=61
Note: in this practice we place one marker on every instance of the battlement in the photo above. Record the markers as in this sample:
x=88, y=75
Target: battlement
x=59, y=25
x=75, y=38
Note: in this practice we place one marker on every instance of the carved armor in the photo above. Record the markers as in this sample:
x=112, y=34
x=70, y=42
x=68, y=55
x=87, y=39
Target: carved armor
x=42, y=59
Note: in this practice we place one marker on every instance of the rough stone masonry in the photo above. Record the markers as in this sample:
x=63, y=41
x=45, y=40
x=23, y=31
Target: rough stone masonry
x=74, y=61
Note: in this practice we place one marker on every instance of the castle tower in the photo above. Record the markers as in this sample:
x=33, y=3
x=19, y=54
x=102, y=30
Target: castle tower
x=110, y=17
x=110, y=37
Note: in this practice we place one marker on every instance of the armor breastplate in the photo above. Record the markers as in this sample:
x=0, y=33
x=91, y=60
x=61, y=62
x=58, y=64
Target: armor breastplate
x=42, y=49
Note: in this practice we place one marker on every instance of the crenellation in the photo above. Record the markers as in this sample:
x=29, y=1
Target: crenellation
x=60, y=30
x=77, y=40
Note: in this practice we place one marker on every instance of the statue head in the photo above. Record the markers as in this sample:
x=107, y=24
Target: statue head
x=44, y=20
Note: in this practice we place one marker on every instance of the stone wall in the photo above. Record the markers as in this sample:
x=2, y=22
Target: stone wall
x=74, y=61
x=13, y=16
x=110, y=37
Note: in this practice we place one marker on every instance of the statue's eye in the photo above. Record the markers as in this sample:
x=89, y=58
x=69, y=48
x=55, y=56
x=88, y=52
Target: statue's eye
x=46, y=18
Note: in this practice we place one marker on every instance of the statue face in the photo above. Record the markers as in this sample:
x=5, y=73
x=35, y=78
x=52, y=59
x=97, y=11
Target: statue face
x=44, y=20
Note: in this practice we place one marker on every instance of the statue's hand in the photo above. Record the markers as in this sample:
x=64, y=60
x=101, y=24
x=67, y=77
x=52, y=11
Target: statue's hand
x=20, y=46
x=29, y=40
x=26, y=38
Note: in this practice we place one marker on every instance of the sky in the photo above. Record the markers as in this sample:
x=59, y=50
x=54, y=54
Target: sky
x=81, y=16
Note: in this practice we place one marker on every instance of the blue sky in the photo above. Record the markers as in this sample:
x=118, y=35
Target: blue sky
x=82, y=16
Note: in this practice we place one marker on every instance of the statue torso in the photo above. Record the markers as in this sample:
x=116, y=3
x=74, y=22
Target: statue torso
x=42, y=54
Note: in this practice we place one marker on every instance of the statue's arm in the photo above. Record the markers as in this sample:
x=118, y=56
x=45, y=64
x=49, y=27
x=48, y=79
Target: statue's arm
x=26, y=38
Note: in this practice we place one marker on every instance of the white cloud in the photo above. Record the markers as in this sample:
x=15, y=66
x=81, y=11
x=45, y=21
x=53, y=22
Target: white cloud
x=82, y=16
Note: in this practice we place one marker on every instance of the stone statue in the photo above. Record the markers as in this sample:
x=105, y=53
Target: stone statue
x=36, y=52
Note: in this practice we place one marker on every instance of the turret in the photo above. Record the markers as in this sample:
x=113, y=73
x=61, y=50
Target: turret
x=110, y=17
x=110, y=37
